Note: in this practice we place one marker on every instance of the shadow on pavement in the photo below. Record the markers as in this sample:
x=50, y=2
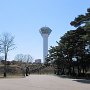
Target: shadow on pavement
x=83, y=81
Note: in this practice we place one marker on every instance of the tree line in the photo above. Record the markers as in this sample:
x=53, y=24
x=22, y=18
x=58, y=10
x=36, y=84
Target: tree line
x=71, y=56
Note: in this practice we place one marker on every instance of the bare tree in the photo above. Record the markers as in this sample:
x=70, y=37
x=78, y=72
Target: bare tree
x=19, y=57
x=6, y=44
x=28, y=58
x=23, y=58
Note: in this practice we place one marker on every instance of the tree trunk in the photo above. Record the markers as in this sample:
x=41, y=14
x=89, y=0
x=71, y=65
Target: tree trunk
x=5, y=66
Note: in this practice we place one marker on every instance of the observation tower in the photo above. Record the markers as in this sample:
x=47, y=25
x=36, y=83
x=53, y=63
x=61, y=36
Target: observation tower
x=45, y=32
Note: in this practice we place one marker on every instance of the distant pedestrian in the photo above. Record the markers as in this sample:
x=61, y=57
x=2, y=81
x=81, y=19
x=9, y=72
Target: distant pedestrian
x=27, y=71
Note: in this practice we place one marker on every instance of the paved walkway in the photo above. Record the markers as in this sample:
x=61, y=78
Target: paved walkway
x=44, y=82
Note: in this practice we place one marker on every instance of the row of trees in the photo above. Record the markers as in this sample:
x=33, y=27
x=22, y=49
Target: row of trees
x=72, y=53
x=18, y=60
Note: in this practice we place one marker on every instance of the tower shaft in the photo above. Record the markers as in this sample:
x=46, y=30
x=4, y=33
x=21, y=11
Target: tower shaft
x=45, y=46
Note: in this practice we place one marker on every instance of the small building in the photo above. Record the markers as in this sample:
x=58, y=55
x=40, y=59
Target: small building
x=38, y=61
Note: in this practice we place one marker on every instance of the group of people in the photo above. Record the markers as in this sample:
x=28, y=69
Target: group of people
x=26, y=71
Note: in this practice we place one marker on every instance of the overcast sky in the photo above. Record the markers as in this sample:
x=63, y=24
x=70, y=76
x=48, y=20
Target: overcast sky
x=24, y=18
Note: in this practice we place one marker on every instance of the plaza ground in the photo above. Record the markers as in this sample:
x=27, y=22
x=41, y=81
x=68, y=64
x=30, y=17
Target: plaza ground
x=43, y=82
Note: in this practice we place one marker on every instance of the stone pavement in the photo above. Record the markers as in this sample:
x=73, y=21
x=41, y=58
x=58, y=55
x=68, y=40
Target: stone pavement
x=44, y=82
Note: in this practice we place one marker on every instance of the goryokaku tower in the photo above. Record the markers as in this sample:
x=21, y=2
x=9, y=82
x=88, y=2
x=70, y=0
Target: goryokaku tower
x=45, y=32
